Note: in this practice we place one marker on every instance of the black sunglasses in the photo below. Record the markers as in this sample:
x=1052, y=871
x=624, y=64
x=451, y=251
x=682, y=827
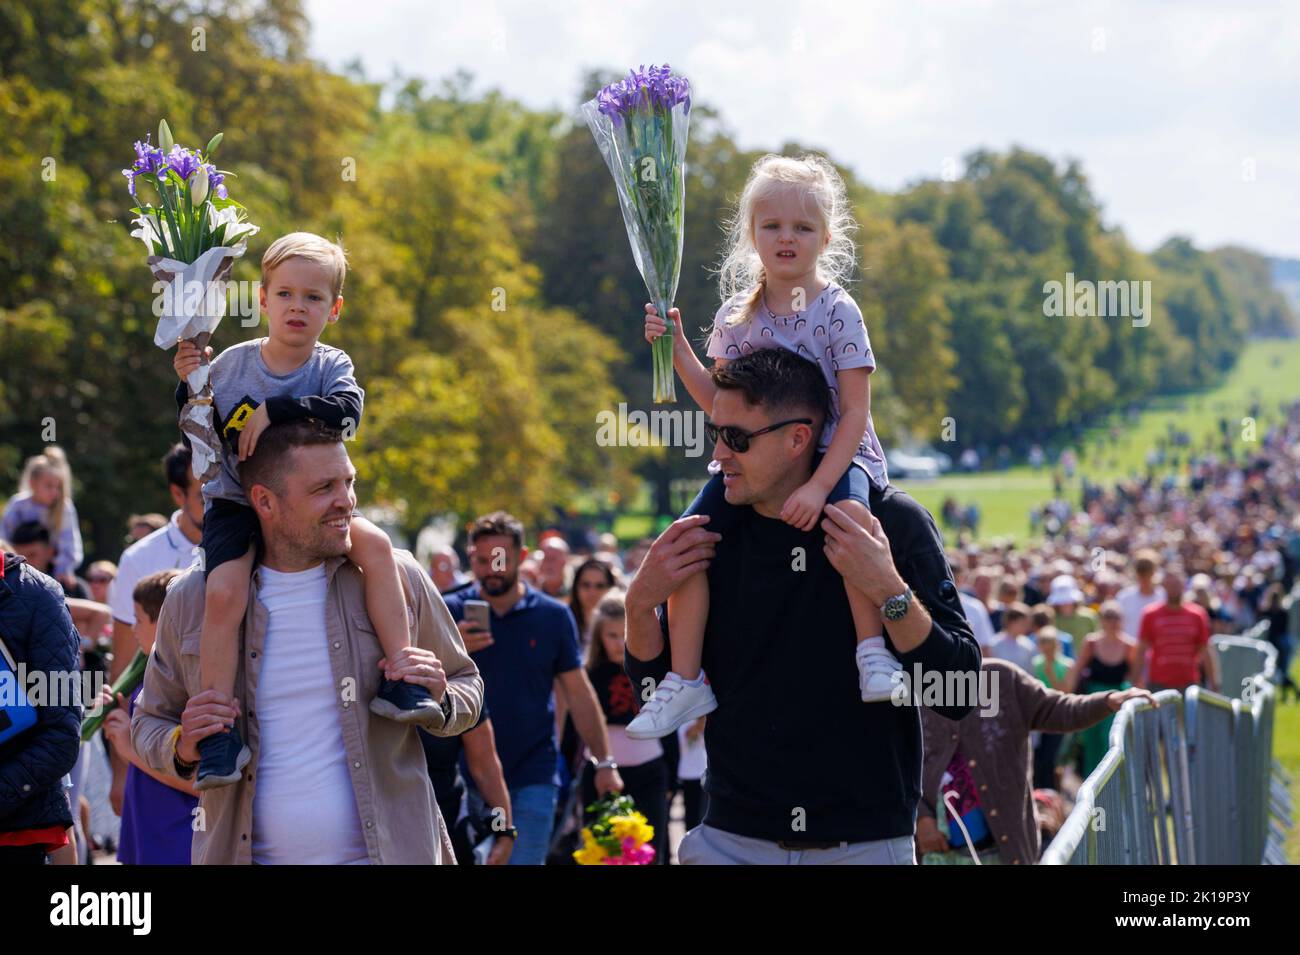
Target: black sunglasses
x=738, y=438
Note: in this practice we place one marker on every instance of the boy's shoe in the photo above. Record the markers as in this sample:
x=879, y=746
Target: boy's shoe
x=876, y=669
x=404, y=702
x=222, y=758
x=674, y=703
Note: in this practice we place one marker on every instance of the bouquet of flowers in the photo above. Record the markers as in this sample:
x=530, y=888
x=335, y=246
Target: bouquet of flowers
x=194, y=236
x=619, y=836
x=641, y=124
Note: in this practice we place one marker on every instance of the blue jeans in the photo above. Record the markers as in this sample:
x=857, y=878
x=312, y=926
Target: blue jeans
x=533, y=810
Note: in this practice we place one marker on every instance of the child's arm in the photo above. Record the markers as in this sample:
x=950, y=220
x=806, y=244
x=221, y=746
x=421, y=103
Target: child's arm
x=70, y=553
x=855, y=405
x=803, y=508
x=117, y=727
x=692, y=371
x=339, y=407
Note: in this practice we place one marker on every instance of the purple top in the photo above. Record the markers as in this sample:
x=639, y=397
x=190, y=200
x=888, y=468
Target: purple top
x=157, y=820
x=830, y=331
x=68, y=554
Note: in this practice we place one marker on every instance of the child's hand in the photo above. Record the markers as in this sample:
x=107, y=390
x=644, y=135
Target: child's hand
x=257, y=422
x=655, y=324
x=117, y=727
x=804, y=507
x=187, y=358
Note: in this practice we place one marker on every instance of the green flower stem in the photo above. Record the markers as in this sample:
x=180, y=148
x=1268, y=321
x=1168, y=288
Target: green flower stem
x=661, y=350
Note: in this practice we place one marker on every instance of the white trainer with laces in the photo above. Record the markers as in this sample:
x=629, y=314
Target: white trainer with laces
x=674, y=704
x=876, y=669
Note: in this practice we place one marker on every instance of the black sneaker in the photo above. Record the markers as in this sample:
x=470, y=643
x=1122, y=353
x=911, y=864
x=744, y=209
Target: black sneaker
x=222, y=758
x=404, y=702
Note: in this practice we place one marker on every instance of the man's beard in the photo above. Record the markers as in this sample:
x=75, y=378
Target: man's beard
x=494, y=585
x=314, y=544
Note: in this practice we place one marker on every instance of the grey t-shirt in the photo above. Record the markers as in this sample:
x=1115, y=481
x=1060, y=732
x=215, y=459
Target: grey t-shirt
x=241, y=382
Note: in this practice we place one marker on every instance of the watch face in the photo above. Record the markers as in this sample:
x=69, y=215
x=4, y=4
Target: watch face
x=895, y=608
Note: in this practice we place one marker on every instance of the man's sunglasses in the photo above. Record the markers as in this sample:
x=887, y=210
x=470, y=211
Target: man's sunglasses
x=738, y=438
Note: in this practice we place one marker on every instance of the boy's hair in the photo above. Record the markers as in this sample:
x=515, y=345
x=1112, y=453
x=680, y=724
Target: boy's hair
x=307, y=245
x=823, y=192
x=1014, y=611
x=779, y=380
x=1043, y=615
x=151, y=521
x=267, y=465
x=176, y=466
x=102, y=567
x=150, y=591
x=498, y=524
x=1145, y=564
x=30, y=532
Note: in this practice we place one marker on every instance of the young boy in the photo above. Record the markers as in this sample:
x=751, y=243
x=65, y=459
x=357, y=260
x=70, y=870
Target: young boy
x=157, y=810
x=286, y=376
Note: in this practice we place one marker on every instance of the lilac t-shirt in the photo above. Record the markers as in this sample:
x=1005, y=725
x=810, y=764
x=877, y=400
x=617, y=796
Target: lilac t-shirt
x=831, y=332
x=157, y=821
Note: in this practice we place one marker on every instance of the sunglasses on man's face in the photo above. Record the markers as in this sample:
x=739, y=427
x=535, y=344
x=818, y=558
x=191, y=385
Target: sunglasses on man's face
x=738, y=438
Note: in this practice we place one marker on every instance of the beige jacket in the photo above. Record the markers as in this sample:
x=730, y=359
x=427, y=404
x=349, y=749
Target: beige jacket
x=399, y=815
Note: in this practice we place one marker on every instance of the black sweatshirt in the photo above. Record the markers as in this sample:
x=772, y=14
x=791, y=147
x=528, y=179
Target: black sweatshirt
x=794, y=754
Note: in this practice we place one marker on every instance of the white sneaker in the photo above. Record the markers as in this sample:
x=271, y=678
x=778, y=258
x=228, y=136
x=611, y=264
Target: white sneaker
x=876, y=669
x=674, y=704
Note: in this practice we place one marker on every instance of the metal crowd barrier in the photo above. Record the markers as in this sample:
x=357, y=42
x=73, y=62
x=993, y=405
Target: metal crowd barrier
x=1189, y=779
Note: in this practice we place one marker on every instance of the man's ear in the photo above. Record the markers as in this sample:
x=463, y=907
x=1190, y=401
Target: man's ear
x=260, y=500
x=178, y=495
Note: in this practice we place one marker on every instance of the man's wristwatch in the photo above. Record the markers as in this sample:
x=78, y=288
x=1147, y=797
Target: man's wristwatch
x=510, y=832
x=447, y=707
x=606, y=763
x=895, y=608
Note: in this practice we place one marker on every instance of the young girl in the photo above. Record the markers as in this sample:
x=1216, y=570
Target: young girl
x=789, y=250
x=640, y=762
x=45, y=495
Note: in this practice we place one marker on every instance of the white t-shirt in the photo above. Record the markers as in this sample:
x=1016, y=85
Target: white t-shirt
x=164, y=549
x=1131, y=604
x=1018, y=650
x=304, y=808
x=977, y=616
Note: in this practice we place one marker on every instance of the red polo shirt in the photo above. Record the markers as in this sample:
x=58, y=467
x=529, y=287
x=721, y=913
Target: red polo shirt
x=1176, y=636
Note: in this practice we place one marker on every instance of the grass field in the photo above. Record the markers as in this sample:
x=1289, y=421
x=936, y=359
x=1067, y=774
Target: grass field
x=1268, y=373
x=1286, y=749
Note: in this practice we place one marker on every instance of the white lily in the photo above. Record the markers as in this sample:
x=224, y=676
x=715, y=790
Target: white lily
x=199, y=186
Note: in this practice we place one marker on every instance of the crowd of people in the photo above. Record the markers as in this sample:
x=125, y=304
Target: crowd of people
x=1127, y=594
x=482, y=716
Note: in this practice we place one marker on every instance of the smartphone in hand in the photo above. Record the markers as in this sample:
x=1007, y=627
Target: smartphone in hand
x=479, y=614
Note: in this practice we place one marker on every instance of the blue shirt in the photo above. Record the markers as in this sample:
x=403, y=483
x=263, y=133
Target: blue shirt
x=532, y=644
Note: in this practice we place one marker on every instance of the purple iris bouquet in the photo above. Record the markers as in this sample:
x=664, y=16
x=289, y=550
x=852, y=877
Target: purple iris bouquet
x=641, y=124
x=194, y=235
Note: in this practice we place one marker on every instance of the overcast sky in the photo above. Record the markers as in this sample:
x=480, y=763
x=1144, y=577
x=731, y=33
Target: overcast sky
x=1184, y=114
